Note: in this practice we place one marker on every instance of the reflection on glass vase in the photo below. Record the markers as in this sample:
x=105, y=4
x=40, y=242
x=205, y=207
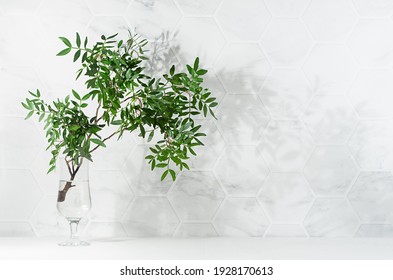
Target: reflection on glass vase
x=73, y=200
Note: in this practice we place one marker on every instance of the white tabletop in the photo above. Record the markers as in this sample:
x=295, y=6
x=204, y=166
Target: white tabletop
x=204, y=248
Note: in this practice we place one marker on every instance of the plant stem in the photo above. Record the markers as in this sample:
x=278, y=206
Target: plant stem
x=71, y=169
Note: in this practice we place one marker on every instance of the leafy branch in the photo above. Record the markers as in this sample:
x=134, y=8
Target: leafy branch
x=128, y=100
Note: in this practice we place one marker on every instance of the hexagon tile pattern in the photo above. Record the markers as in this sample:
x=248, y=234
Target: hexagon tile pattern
x=243, y=20
x=283, y=191
x=304, y=90
x=196, y=195
x=150, y=216
x=330, y=170
x=331, y=217
x=291, y=47
x=286, y=146
x=372, y=197
x=339, y=68
x=330, y=120
x=242, y=170
x=330, y=20
x=241, y=217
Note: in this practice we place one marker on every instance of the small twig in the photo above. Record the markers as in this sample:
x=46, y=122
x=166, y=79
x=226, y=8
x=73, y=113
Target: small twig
x=105, y=139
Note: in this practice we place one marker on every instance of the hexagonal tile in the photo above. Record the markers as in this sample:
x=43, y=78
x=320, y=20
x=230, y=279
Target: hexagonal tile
x=246, y=71
x=16, y=229
x=15, y=83
x=375, y=231
x=198, y=37
x=287, y=8
x=152, y=18
x=20, y=146
x=246, y=125
x=100, y=230
x=285, y=231
x=19, y=195
x=47, y=221
x=286, y=145
x=243, y=20
x=138, y=172
x=372, y=197
x=202, y=7
x=338, y=69
x=371, y=145
x=330, y=170
x=286, y=93
x=330, y=119
x=211, y=82
x=241, y=217
x=208, y=154
x=286, y=197
x=108, y=8
x=374, y=8
x=107, y=25
x=20, y=7
x=115, y=154
x=331, y=217
x=330, y=20
x=16, y=31
x=49, y=183
x=161, y=58
x=150, y=216
x=371, y=42
x=291, y=47
x=61, y=18
x=371, y=93
x=109, y=188
x=242, y=170
x=196, y=230
x=196, y=195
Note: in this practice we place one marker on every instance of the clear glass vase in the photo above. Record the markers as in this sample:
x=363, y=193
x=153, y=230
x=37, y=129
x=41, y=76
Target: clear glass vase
x=73, y=201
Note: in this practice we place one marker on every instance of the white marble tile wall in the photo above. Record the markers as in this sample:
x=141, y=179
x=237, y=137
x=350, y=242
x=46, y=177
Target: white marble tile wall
x=303, y=142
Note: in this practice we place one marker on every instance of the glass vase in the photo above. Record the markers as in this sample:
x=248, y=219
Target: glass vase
x=73, y=201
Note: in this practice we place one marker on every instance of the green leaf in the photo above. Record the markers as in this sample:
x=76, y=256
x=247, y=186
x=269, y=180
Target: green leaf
x=142, y=129
x=26, y=107
x=64, y=52
x=77, y=55
x=112, y=36
x=29, y=115
x=190, y=70
x=201, y=72
x=98, y=142
x=76, y=95
x=116, y=122
x=185, y=165
x=161, y=165
x=66, y=41
x=78, y=40
x=172, y=70
x=74, y=127
x=85, y=43
x=164, y=175
x=173, y=174
x=51, y=169
x=151, y=135
x=42, y=116
x=196, y=63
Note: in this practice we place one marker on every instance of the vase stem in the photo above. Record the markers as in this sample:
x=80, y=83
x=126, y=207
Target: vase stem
x=74, y=229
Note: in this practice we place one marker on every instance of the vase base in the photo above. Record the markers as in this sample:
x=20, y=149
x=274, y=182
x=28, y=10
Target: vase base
x=74, y=243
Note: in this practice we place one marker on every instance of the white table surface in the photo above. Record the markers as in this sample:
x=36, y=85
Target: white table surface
x=203, y=248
